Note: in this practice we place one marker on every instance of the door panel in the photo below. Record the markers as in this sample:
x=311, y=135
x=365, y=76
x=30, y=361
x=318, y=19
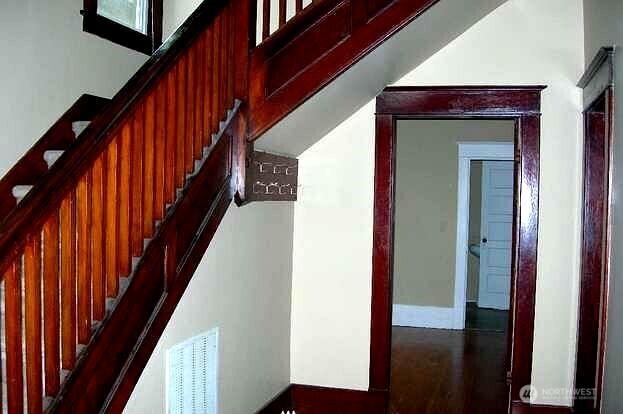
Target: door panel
x=496, y=234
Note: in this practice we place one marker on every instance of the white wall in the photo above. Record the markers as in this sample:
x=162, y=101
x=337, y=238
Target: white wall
x=603, y=28
x=521, y=42
x=242, y=286
x=47, y=63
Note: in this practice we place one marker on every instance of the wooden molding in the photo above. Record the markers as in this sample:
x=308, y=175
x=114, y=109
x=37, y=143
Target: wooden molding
x=308, y=399
x=524, y=408
x=108, y=29
x=598, y=77
x=321, y=42
x=31, y=168
x=281, y=403
x=519, y=103
x=594, y=292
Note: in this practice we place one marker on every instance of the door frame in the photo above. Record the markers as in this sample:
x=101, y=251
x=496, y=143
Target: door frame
x=597, y=85
x=519, y=103
x=468, y=152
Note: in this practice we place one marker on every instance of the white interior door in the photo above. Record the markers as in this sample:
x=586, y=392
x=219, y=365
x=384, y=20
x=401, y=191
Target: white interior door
x=496, y=234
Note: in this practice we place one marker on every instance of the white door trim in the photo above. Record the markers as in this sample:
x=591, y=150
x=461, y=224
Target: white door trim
x=468, y=151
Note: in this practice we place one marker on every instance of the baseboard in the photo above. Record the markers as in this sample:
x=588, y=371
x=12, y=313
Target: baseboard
x=423, y=317
x=282, y=402
x=308, y=399
x=524, y=408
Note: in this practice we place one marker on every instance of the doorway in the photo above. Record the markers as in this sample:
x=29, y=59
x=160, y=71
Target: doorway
x=453, y=208
x=522, y=106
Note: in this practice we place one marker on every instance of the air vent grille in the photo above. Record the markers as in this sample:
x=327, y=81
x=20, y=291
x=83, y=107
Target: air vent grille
x=192, y=374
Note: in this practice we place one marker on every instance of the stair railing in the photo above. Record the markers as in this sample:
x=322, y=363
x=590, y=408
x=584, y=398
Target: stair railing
x=69, y=248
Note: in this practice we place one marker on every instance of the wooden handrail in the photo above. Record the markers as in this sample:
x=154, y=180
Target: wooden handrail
x=48, y=194
x=31, y=167
x=116, y=221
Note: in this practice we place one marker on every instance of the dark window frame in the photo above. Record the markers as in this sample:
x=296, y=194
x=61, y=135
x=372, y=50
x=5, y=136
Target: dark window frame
x=125, y=36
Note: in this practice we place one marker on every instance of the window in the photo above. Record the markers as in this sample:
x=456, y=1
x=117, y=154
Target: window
x=136, y=24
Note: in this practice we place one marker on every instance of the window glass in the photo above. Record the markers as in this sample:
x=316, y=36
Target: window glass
x=130, y=13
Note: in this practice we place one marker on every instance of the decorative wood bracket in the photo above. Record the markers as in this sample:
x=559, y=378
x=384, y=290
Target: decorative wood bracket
x=271, y=177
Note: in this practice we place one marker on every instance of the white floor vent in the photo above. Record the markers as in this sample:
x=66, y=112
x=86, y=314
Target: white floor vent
x=192, y=375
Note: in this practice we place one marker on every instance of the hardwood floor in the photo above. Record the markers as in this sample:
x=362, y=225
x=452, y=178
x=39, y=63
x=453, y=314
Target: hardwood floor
x=485, y=319
x=436, y=371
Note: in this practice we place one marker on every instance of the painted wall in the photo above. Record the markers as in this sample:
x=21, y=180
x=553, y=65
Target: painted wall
x=47, y=63
x=426, y=205
x=521, y=42
x=602, y=19
x=473, y=234
x=243, y=286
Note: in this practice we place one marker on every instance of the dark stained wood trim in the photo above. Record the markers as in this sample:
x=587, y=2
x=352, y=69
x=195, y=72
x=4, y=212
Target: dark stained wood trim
x=593, y=301
x=382, y=252
x=519, y=103
x=281, y=403
x=598, y=77
x=332, y=59
x=31, y=167
x=460, y=101
x=308, y=399
x=598, y=91
x=115, y=32
x=523, y=408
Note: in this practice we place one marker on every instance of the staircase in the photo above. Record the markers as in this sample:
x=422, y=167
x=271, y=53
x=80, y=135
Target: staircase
x=107, y=217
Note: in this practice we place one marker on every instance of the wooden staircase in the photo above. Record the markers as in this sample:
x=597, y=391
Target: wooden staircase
x=103, y=229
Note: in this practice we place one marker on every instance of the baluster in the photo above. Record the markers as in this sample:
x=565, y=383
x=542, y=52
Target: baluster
x=181, y=122
x=51, y=305
x=125, y=205
x=32, y=317
x=223, y=65
x=83, y=268
x=230, y=74
x=190, y=109
x=207, y=97
x=282, y=12
x=200, y=79
x=97, y=239
x=68, y=281
x=112, y=218
x=159, y=148
x=136, y=189
x=216, y=75
x=148, y=169
x=266, y=19
x=171, y=147
x=13, y=330
x=299, y=5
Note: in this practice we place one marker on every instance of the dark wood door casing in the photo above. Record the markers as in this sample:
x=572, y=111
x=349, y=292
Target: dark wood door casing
x=521, y=104
x=598, y=88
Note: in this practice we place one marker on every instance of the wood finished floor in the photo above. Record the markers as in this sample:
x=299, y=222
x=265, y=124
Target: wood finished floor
x=438, y=371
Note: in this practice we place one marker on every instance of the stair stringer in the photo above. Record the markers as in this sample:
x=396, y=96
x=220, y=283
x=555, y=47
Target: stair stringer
x=360, y=84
